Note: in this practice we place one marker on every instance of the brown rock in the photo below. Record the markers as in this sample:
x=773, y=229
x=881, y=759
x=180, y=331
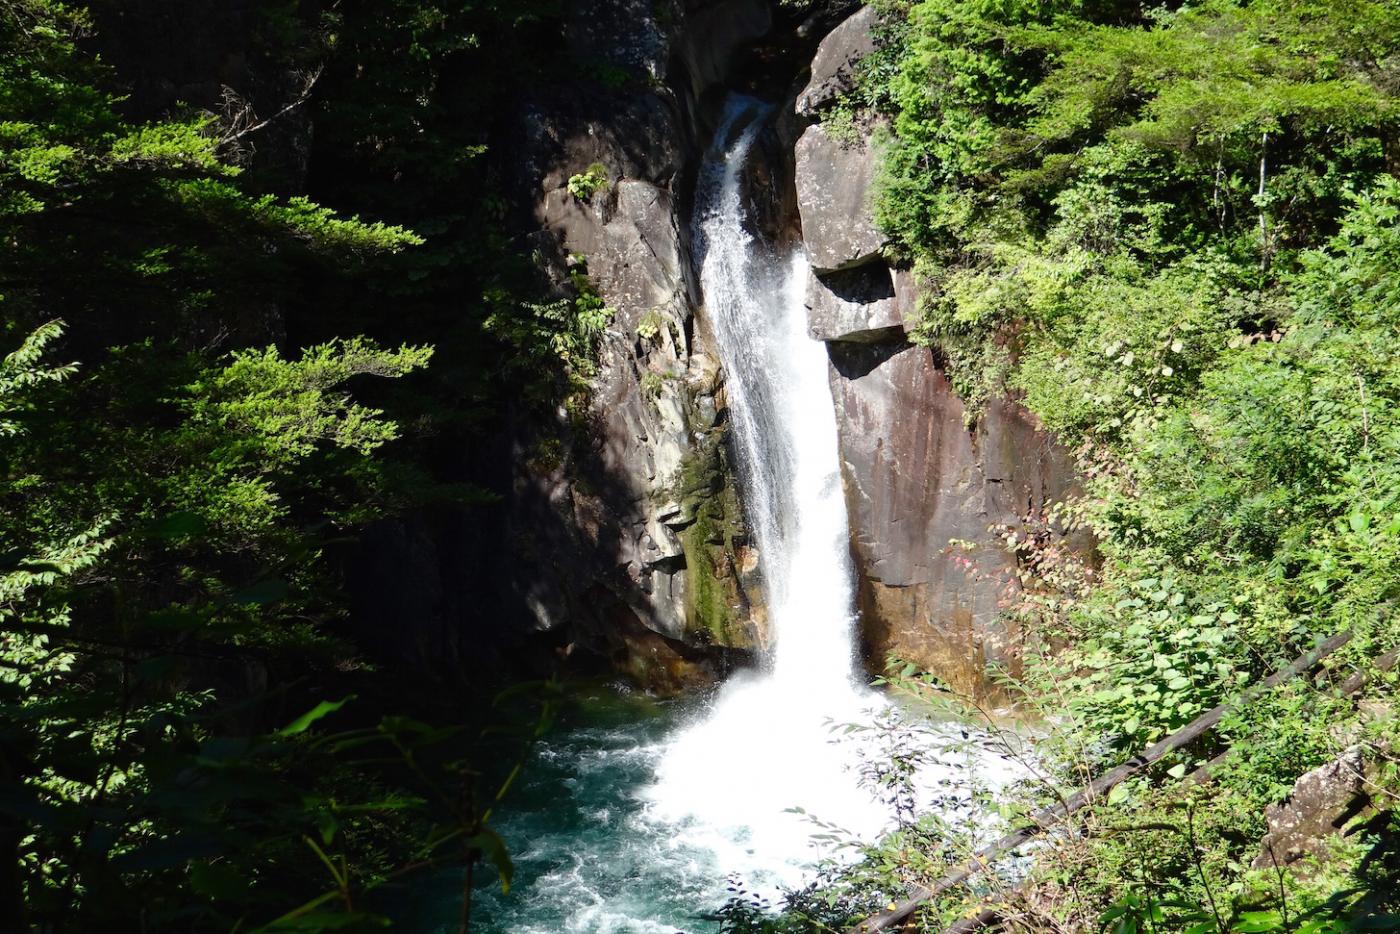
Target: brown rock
x=833, y=197
x=854, y=305
x=918, y=483
x=834, y=66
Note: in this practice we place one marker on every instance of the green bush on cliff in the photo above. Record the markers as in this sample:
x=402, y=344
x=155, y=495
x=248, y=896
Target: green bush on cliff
x=584, y=185
x=1174, y=234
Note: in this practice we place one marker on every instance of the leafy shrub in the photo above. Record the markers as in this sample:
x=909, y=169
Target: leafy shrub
x=589, y=182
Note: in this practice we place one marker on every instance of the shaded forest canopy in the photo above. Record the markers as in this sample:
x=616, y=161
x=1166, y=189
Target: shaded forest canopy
x=216, y=327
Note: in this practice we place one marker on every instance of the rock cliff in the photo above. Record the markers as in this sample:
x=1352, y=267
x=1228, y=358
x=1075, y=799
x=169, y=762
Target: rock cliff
x=619, y=528
x=636, y=536
x=930, y=489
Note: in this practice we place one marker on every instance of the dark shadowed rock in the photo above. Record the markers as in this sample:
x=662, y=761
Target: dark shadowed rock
x=834, y=66
x=833, y=196
x=854, y=305
x=621, y=34
x=714, y=32
x=923, y=491
x=625, y=527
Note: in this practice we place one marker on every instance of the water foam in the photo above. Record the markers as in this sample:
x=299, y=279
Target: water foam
x=767, y=745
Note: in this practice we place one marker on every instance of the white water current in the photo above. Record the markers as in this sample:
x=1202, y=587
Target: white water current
x=768, y=744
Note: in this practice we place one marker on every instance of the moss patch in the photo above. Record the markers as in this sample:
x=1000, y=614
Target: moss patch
x=716, y=608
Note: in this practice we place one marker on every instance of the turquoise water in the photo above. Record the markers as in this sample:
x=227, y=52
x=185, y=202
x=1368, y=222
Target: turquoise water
x=586, y=857
x=598, y=851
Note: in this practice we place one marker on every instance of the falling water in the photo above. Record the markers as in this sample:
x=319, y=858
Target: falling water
x=767, y=746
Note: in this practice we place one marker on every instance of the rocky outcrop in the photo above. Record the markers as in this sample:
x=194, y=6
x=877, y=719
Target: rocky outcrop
x=931, y=500
x=1333, y=800
x=927, y=497
x=833, y=195
x=834, y=66
x=859, y=305
x=635, y=537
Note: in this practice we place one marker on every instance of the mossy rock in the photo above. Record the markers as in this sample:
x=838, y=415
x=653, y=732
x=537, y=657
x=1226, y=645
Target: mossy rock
x=716, y=607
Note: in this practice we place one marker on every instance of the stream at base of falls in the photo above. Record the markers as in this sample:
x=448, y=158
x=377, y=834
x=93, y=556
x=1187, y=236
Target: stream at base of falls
x=588, y=857
x=594, y=852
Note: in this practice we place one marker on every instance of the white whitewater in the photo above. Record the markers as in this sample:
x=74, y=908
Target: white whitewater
x=767, y=744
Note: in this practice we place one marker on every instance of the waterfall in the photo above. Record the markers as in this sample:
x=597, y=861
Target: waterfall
x=767, y=744
x=783, y=417
x=718, y=795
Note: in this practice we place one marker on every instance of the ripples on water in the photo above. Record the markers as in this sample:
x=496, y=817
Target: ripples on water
x=588, y=855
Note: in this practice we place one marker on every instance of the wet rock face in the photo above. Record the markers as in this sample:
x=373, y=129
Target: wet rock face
x=632, y=539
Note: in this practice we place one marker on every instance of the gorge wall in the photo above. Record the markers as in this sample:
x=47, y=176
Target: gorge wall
x=932, y=491
x=617, y=530
x=634, y=536
x=636, y=540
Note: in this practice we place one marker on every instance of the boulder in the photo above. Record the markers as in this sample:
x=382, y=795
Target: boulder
x=1330, y=801
x=854, y=305
x=923, y=491
x=834, y=65
x=833, y=198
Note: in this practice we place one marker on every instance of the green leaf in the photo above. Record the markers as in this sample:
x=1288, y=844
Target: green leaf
x=262, y=593
x=218, y=880
x=490, y=845
x=300, y=724
x=1253, y=922
x=177, y=525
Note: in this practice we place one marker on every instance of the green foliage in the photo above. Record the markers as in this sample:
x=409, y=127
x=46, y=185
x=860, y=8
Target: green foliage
x=589, y=182
x=23, y=369
x=174, y=547
x=1169, y=233
x=178, y=740
x=1173, y=233
x=287, y=407
x=651, y=325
